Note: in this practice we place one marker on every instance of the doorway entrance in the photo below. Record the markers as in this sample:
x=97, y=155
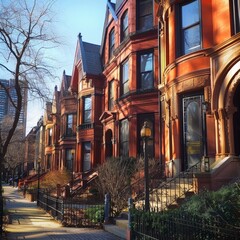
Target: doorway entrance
x=109, y=146
x=236, y=121
x=193, y=130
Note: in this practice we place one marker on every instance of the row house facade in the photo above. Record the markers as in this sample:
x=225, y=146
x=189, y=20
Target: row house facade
x=60, y=128
x=116, y=86
x=87, y=86
x=129, y=53
x=200, y=85
x=100, y=109
x=174, y=64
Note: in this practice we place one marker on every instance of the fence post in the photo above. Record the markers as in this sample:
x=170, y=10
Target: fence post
x=107, y=208
x=130, y=235
x=56, y=208
x=62, y=211
x=47, y=201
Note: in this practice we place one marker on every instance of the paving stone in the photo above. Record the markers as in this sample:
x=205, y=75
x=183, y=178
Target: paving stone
x=30, y=222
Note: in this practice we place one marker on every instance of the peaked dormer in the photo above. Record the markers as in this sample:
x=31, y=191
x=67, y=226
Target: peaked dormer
x=87, y=63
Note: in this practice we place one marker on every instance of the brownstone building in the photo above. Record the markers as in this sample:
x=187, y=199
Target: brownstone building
x=60, y=128
x=87, y=85
x=170, y=63
x=200, y=86
x=66, y=109
x=116, y=85
x=129, y=54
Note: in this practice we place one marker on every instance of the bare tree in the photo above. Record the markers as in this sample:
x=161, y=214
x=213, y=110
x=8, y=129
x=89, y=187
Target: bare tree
x=15, y=152
x=24, y=38
x=114, y=177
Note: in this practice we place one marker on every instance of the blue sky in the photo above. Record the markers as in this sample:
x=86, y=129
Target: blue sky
x=74, y=17
x=71, y=18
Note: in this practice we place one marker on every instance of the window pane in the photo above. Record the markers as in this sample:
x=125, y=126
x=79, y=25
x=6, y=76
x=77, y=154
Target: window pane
x=147, y=80
x=125, y=88
x=145, y=22
x=145, y=19
x=69, y=159
x=193, y=122
x=193, y=130
x=191, y=39
x=125, y=72
x=235, y=11
x=190, y=14
x=111, y=43
x=125, y=21
x=124, y=78
x=124, y=27
x=87, y=103
x=69, y=124
x=146, y=71
x=124, y=130
x=86, y=156
x=146, y=62
x=124, y=138
x=87, y=109
x=110, y=96
x=70, y=119
x=87, y=116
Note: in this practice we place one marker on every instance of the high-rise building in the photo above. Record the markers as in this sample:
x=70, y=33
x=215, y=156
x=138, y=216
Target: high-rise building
x=3, y=99
x=6, y=104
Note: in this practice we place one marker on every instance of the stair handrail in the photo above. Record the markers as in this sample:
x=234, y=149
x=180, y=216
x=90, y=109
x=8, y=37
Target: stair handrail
x=168, y=190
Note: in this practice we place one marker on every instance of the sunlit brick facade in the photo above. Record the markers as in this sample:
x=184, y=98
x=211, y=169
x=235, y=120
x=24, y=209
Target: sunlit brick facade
x=129, y=54
x=200, y=85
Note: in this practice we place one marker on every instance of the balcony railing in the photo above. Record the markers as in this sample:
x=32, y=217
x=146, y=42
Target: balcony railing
x=85, y=126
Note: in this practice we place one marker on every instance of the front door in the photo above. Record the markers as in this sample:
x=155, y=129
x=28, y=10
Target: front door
x=236, y=121
x=193, y=137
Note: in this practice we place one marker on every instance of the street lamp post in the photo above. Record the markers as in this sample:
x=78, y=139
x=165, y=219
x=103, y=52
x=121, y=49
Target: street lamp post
x=145, y=134
x=38, y=188
x=72, y=167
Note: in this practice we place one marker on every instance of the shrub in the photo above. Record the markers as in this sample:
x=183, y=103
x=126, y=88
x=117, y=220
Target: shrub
x=95, y=214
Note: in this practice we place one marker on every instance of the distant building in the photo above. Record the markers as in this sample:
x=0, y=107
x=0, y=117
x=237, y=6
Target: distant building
x=6, y=106
x=3, y=99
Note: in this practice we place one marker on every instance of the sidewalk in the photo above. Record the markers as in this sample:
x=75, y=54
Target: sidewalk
x=27, y=221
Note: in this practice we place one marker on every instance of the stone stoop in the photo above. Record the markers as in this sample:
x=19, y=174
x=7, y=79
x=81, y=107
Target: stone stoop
x=119, y=229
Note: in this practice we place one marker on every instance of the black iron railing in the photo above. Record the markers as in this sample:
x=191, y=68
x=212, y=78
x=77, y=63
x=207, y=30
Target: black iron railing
x=166, y=192
x=181, y=226
x=71, y=212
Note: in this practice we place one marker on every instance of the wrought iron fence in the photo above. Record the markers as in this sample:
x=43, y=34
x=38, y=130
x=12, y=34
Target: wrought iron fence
x=181, y=226
x=73, y=212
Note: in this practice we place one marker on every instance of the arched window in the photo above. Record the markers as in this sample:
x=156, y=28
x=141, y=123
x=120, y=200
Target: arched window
x=124, y=25
x=111, y=43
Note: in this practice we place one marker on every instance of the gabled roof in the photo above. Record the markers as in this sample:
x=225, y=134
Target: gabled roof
x=65, y=84
x=118, y=4
x=89, y=54
x=110, y=10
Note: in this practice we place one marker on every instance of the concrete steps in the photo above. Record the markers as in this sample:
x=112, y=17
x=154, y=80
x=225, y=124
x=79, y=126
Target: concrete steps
x=170, y=194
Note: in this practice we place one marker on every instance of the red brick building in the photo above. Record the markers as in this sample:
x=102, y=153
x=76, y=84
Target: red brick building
x=200, y=86
x=116, y=85
x=87, y=85
x=129, y=53
x=60, y=128
x=174, y=64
